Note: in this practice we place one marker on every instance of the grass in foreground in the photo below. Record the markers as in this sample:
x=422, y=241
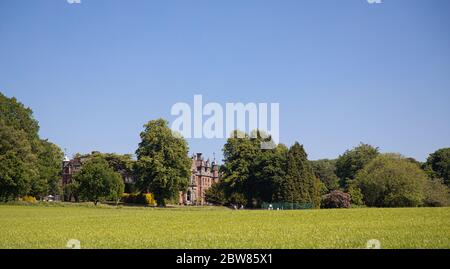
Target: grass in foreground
x=108, y=227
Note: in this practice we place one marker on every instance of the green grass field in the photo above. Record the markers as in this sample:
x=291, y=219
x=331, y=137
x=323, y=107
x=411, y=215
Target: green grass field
x=109, y=227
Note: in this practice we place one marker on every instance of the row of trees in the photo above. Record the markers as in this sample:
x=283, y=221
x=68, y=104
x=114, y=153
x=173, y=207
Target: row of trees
x=29, y=165
x=252, y=175
x=386, y=180
x=361, y=176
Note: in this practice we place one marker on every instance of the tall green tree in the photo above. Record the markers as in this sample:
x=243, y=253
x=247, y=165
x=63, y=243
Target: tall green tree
x=14, y=176
x=17, y=169
x=325, y=170
x=123, y=164
x=163, y=165
x=270, y=171
x=349, y=163
x=438, y=165
x=300, y=184
x=251, y=172
x=40, y=160
x=49, y=159
x=97, y=181
x=240, y=152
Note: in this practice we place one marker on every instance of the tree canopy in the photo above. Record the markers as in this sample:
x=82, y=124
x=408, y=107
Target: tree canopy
x=266, y=175
x=38, y=161
x=390, y=180
x=19, y=117
x=348, y=164
x=97, y=181
x=122, y=163
x=251, y=173
x=14, y=176
x=438, y=163
x=325, y=170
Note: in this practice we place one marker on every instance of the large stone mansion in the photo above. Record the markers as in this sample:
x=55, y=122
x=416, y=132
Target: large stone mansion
x=204, y=174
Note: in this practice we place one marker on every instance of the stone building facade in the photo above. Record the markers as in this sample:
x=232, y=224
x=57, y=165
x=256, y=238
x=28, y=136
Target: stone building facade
x=69, y=168
x=204, y=174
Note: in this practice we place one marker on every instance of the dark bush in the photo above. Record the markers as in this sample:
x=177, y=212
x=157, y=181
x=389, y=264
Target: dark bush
x=216, y=194
x=336, y=199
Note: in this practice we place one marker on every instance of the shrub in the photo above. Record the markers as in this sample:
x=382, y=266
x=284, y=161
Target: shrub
x=29, y=199
x=149, y=199
x=139, y=198
x=216, y=194
x=336, y=199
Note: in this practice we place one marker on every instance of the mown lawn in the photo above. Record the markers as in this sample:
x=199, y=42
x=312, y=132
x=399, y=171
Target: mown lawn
x=52, y=227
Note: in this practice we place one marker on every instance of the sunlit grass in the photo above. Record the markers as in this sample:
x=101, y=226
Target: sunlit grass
x=124, y=227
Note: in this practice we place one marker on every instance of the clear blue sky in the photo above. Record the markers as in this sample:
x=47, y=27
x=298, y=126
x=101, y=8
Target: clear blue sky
x=343, y=71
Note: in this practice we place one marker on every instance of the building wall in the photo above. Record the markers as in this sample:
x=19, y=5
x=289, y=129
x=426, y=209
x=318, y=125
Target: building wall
x=204, y=174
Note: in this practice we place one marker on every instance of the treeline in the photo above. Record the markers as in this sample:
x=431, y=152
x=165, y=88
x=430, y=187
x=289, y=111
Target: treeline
x=361, y=176
x=250, y=175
